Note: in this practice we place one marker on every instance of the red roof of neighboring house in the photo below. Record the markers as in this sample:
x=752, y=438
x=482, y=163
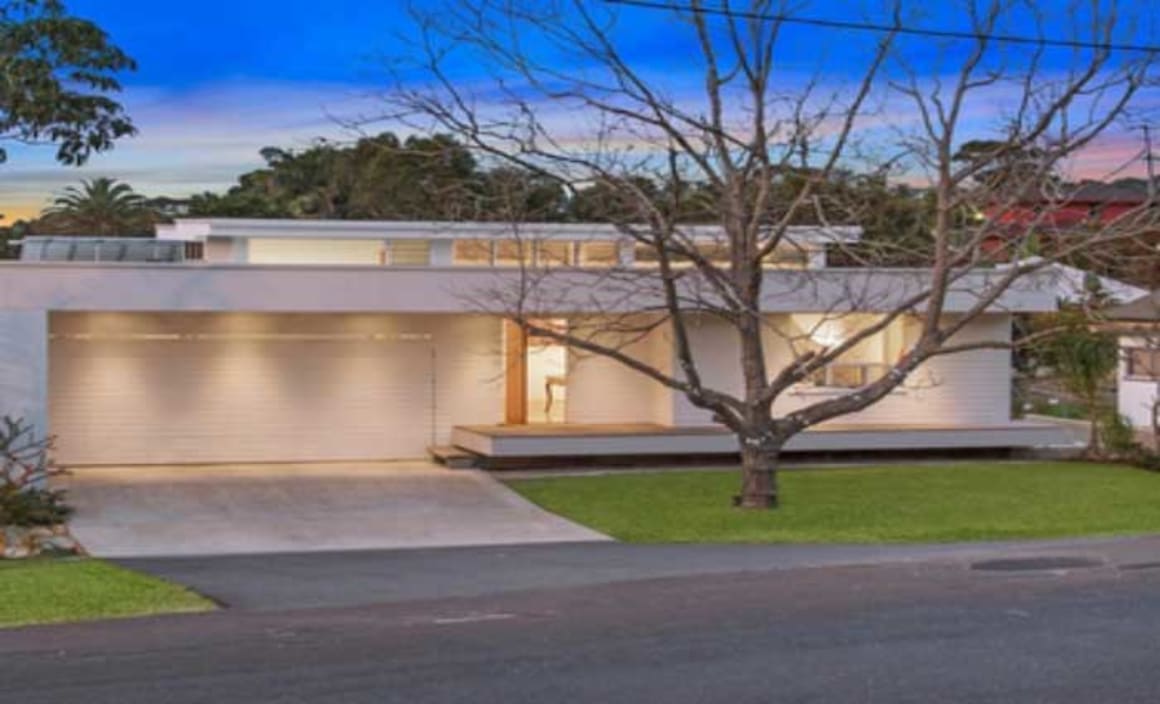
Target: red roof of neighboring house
x=1087, y=203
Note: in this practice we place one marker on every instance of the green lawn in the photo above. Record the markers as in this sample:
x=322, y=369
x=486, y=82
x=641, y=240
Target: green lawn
x=976, y=501
x=54, y=591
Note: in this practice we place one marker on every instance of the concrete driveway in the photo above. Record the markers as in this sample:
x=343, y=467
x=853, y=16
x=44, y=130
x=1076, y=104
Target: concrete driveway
x=241, y=509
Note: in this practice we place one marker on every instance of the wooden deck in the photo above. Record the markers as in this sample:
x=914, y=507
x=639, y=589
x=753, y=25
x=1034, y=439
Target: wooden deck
x=645, y=439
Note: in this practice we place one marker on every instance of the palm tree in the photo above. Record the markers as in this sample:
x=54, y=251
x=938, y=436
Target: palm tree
x=102, y=207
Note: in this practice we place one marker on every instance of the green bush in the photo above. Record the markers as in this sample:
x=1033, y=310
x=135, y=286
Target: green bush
x=32, y=507
x=26, y=467
x=1146, y=459
x=1117, y=434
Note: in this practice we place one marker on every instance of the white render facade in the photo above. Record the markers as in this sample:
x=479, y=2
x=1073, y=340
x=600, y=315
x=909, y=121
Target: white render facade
x=320, y=341
x=1138, y=380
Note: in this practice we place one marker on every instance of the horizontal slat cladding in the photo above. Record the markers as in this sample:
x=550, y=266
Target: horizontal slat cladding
x=967, y=388
x=603, y=390
x=289, y=393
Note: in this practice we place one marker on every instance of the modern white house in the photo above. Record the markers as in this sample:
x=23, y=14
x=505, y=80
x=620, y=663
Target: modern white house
x=1138, y=375
x=274, y=341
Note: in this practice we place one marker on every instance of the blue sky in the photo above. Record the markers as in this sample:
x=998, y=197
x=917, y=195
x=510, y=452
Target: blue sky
x=218, y=80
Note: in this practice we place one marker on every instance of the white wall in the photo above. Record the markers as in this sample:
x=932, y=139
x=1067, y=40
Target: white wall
x=971, y=388
x=469, y=370
x=602, y=390
x=24, y=366
x=1134, y=397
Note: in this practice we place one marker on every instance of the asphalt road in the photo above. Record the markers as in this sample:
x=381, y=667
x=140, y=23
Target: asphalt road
x=360, y=578
x=921, y=632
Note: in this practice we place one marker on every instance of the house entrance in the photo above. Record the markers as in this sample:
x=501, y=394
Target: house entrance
x=537, y=367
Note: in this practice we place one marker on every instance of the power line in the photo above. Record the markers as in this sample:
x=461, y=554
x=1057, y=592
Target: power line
x=873, y=27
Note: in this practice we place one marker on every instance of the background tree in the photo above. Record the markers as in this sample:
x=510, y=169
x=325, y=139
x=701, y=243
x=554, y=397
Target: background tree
x=767, y=150
x=58, y=73
x=101, y=207
x=999, y=167
x=505, y=190
x=1083, y=359
x=377, y=178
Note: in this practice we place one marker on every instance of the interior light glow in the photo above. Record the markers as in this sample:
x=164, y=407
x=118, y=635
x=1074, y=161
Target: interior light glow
x=274, y=337
x=828, y=334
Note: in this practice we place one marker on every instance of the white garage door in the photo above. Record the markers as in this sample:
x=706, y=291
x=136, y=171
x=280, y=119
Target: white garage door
x=188, y=398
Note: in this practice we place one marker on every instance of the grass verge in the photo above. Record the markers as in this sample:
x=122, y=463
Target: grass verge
x=959, y=502
x=58, y=591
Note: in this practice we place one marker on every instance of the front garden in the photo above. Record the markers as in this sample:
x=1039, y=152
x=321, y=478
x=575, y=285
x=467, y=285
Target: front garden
x=932, y=503
x=44, y=577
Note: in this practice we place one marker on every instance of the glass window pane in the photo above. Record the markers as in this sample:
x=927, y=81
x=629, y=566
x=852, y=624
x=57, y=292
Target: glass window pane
x=471, y=253
x=716, y=252
x=599, y=254
x=554, y=254
x=787, y=258
x=846, y=376
x=1143, y=363
x=410, y=252
x=512, y=252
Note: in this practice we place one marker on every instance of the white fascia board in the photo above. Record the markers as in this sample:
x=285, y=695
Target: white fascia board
x=80, y=286
x=432, y=230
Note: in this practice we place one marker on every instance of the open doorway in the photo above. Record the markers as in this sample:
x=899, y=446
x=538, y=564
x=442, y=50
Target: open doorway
x=547, y=378
x=537, y=369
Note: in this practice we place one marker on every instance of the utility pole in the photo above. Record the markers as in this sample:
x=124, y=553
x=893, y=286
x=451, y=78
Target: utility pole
x=1150, y=164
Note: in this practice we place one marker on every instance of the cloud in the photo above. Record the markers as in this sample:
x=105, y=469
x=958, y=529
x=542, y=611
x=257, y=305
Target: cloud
x=190, y=140
x=193, y=140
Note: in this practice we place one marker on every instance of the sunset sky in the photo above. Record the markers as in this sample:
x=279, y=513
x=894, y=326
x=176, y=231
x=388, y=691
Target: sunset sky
x=219, y=80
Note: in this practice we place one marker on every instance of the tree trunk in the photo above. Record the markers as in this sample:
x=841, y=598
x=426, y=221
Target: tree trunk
x=1093, y=450
x=759, y=461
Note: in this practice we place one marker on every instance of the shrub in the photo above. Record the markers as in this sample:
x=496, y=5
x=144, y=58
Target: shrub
x=1117, y=435
x=1146, y=459
x=33, y=507
x=26, y=466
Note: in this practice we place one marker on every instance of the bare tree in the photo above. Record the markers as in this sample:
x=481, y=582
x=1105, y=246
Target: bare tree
x=760, y=148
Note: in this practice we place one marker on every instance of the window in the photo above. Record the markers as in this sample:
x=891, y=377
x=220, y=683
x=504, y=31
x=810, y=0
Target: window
x=1143, y=363
x=867, y=361
x=599, y=254
x=509, y=253
x=647, y=257
x=787, y=258
x=409, y=253
x=849, y=375
x=513, y=252
x=554, y=253
x=194, y=251
x=718, y=253
x=471, y=253
x=263, y=250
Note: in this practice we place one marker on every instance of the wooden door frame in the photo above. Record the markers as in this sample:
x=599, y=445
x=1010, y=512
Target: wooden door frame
x=515, y=351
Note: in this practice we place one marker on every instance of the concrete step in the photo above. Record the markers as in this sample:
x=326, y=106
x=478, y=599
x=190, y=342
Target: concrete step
x=453, y=456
